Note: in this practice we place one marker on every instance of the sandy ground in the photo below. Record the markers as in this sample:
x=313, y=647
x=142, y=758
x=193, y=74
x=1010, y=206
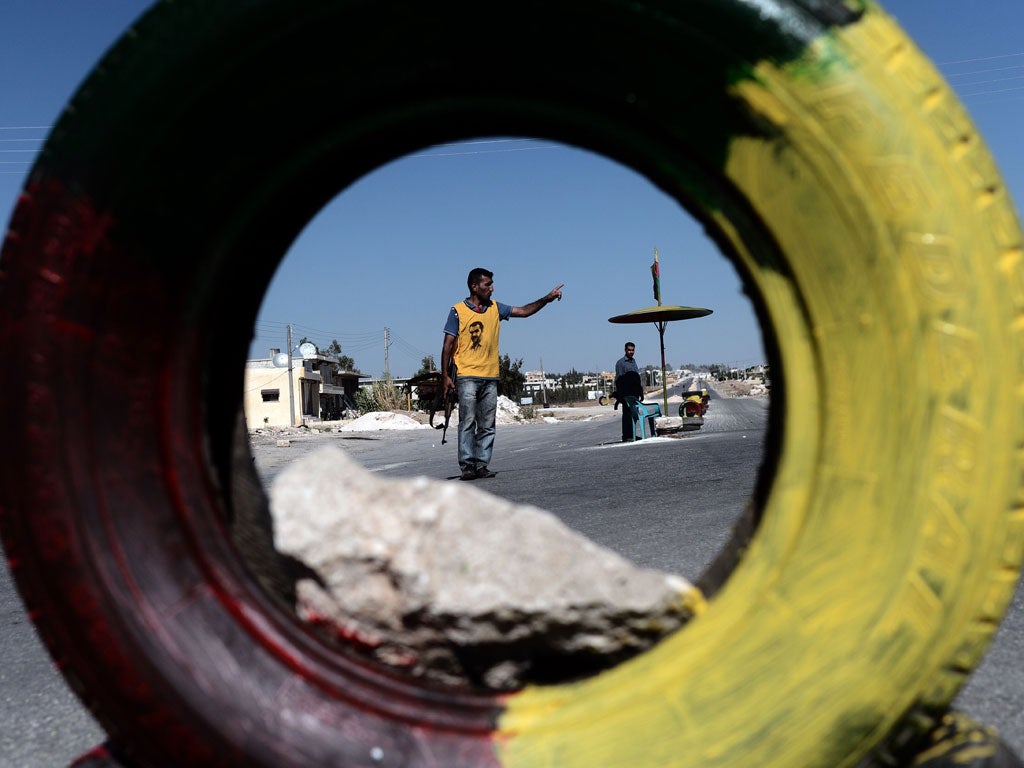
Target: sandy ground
x=737, y=388
x=508, y=413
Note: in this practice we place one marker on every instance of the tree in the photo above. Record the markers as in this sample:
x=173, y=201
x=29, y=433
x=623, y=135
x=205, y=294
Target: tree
x=572, y=378
x=427, y=365
x=345, y=363
x=511, y=378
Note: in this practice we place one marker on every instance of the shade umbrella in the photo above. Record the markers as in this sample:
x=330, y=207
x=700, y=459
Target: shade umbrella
x=661, y=315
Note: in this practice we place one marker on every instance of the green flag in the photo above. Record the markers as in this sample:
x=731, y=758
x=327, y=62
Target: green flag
x=656, y=274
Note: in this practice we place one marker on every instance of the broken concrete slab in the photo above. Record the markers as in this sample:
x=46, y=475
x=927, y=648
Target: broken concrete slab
x=456, y=585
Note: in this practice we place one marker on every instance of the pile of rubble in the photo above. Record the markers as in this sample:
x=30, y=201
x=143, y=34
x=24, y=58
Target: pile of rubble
x=449, y=583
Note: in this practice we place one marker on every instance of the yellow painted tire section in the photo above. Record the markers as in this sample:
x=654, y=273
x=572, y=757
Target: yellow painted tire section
x=889, y=545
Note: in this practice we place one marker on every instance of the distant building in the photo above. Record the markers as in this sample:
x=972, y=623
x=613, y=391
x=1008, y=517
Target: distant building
x=318, y=391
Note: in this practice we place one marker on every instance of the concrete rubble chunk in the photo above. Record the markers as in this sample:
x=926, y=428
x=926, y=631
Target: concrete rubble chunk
x=451, y=583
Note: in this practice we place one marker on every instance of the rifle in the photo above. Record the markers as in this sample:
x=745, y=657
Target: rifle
x=444, y=400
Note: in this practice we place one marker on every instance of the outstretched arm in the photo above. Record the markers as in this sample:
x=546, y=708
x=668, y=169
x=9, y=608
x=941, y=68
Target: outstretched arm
x=534, y=306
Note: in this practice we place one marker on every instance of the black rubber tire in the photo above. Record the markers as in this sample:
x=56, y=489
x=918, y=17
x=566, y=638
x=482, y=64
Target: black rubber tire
x=821, y=151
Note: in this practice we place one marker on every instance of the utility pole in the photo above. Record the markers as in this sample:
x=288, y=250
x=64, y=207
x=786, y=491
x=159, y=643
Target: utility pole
x=387, y=343
x=291, y=384
x=543, y=382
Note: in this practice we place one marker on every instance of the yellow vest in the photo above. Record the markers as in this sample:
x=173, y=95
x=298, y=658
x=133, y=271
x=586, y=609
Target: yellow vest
x=476, y=349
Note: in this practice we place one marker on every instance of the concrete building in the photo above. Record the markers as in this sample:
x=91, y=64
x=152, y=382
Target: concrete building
x=312, y=390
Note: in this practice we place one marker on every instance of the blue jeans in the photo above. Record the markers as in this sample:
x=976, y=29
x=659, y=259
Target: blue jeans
x=478, y=409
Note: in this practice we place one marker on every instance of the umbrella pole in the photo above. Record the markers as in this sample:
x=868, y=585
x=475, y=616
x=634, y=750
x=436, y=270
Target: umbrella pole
x=664, y=381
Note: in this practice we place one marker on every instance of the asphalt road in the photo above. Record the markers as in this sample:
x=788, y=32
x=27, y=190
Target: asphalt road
x=666, y=503
x=42, y=724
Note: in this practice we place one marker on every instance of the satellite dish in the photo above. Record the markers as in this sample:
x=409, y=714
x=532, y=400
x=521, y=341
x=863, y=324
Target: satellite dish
x=307, y=350
x=281, y=360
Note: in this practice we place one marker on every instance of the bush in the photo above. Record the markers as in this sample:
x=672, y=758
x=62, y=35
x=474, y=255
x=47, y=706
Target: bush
x=566, y=394
x=382, y=396
x=511, y=377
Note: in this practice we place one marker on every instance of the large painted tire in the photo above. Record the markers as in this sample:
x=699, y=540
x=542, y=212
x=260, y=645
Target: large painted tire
x=820, y=149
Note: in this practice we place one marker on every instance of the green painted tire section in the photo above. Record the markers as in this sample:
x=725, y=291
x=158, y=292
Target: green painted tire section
x=822, y=152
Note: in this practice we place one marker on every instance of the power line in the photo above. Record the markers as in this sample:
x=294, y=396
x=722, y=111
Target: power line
x=410, y=349
x=358, y=336
x=424, y=153
x=488, y=151
x=981, y=58
x=263, y=384
x=280, y=327
x=351, y=343
x=483, y=141
x=991, y=91
x=989, y=82
x=983, y=71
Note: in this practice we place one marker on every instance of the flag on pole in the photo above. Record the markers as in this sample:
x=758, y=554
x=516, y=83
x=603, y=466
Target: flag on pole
x=656, y=274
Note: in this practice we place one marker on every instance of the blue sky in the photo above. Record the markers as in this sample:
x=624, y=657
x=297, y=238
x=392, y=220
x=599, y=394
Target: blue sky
x=535, y=212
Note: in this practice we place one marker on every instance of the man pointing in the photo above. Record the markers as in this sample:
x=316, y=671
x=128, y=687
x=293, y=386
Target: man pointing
x=471, y=342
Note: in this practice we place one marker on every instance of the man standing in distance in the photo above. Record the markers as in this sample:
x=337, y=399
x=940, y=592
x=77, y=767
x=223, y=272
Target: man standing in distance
x=471, y=341
x=626, y=364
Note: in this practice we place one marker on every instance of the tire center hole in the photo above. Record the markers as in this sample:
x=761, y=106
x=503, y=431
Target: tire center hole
x=471, y=583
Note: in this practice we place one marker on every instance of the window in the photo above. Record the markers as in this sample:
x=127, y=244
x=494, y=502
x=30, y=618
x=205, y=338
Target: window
x=271, y=395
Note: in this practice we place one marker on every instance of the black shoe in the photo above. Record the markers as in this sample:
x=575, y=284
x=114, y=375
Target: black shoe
x=469, y=474
x=482, y=472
